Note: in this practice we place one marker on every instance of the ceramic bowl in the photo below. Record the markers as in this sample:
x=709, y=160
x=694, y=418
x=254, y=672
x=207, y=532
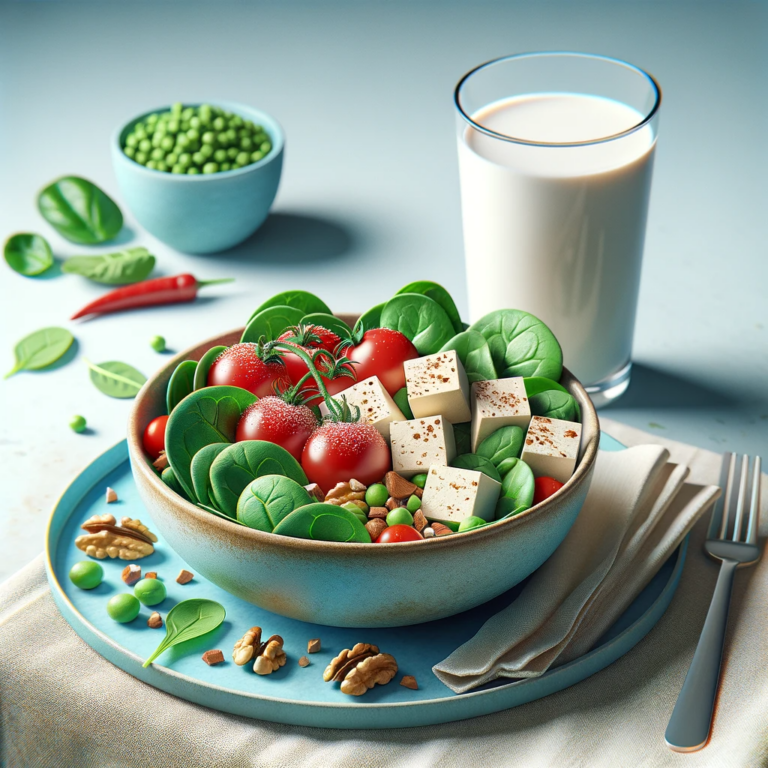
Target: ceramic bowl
x=357, y=585
x=202, y=213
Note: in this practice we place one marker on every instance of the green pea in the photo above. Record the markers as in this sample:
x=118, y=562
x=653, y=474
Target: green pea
x=197, y=158
x=400, y=516
x=193, y=135
x=234, y=166
x=140, y=127
x=140, y=157
x=178, y=169
x=258, y=129
x=182, y=140
x=145, y=145
x=176, y=108
x=210, y=168
x=187, y=113
x=185, y=159
x=193, y=171
x=249, y=125
x=156, y=139
x=414, y=503
x=150, y=591
x=420, y=480
x=376, y=495
x=151, y=118
x=236, y=121
x=206, y=151
x=152, y=164
x=209, y=137
x=194, y=121
x=161, y=166
x=256, y=156
x=246, y=144
x=468, y=523
x=131, y=140
x=219, y=124
x=232, y=133
x=225, y=167
x=86, y=574
x=167, y=143
x=265, y=147
x=223, y=139
x=123, y=608
x=220, y=155
x=171, y=158
x=242, y=158
x=130, y=151
x=157, y=154
x=232, y=153
x=173, y=126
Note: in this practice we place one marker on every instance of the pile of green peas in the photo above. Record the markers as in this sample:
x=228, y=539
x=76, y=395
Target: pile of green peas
x=195, y=140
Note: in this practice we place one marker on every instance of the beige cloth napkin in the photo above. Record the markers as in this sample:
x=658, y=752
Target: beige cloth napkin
x=638, y=510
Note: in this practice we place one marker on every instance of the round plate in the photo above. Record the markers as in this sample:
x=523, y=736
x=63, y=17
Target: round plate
x=293, y=694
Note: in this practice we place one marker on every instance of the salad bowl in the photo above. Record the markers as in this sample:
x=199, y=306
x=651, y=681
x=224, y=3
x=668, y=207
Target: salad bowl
x=348, y=584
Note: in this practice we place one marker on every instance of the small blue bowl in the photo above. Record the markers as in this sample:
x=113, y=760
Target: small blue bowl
x=202, y=213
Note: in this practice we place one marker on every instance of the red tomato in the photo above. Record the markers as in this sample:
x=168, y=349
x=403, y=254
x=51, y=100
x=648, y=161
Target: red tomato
x=241, y=366
x=382, y=353
x=274, y=420
x=153, y=439
x=396, y=533
x=326, y=339
x=544, y=487
x=339, y=451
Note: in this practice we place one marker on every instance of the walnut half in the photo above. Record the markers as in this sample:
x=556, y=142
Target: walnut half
x=360, y=668
x=130, y=540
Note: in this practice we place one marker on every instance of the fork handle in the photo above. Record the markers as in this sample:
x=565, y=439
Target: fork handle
x=689, y=726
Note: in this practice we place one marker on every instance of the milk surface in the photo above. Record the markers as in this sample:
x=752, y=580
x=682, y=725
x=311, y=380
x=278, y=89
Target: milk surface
x=559, y=231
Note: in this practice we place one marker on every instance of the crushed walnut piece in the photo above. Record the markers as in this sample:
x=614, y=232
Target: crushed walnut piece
x=184, y=576
x=111, y=495
x=342, y=493
x=151, y=575
x=377, y=512
x=398, y=487
x=376, y=527
x=131, y=574
x=313, y=646
x=213, y=657
x=315, y=491
x=155, y=620
x=409, y=681
x=304, y=661
x=161, y=462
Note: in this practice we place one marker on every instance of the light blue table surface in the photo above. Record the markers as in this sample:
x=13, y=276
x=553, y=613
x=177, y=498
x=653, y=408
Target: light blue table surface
x=369, y=198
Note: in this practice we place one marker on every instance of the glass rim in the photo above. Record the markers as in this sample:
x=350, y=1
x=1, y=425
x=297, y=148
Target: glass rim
x=612, y=137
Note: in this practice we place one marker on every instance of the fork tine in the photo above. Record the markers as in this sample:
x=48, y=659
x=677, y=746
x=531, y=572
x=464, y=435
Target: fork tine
x=727, y=495
x=742, y=497
x=719, y=509
x=754, y=507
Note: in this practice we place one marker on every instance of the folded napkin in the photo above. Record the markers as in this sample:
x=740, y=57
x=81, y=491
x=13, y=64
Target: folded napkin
x=637, y=512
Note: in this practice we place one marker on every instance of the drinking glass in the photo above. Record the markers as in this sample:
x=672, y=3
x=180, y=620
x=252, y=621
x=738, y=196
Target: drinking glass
x=555, y=161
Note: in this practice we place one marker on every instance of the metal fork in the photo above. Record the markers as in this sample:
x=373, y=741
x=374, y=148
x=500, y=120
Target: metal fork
x=691, y=720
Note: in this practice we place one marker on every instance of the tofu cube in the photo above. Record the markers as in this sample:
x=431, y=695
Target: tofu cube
x=375, y=404
x=498, y=403
x=451, y=494
x=551, y=447
x=438, y=386
x=420, y=443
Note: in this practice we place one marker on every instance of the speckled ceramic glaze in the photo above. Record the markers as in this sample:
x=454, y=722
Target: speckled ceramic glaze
x=357, y=585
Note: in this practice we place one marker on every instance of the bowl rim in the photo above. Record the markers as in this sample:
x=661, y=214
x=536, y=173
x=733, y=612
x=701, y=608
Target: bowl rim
x=233, y=106
x=140, y=464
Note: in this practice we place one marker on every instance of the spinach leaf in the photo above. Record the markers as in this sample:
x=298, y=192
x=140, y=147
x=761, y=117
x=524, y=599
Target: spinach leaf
x=78, y=210
x=181, y=383
x=370, y=319
x=478, y=464
x=116, y=379
x=239, y=464
x=119, y=268
x=535, y=385
x=323, y=522
x=169, y=478
x=40, y=349
x=475, y=355
x=307, y=302
x=339, y=327
x=200, y=469
x=216, y=512
x=206, y=416
x=419, y=318
x=271, y=322
x=202, y=368
x=520, y=344
x=187, y=620
x=503, y=444
x=401, y=401
x=463, y=436
x=269, y=499
x=555, y=405
x=437, y=293
x=28, y=254
x=517, y=489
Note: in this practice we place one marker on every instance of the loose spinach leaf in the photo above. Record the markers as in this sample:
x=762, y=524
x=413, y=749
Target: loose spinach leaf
x=169, y=478
x=40, y=349
x=555, y=405
x=503, y=444
x=271, y=322
x=475, y=355
x=269, y=499
x=206, y=416
x=206, y=361
x=305, y=301
x=339, y=327
x=200, y=469
x=28, y=254
x=116, y=379
x=181, y=383
x=78, y=210
x=419, y=318
x=239, y=464
x=401, y=401
x=478, y=464
x=119, y=268
x=187, y=620
x=370, y=319
x=535, y=385
x=463, y=436
x=517, y=489
x=520, y=344
x=437, y=293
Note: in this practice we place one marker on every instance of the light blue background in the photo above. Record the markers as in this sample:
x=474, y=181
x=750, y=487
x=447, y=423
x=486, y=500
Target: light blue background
x=369, y=198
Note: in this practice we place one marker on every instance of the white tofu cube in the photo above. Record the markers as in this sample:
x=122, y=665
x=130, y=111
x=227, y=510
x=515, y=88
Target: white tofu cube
x=551, y=447
x=437, y=385
x=375, y=404
x=451, y=494
x=420, y=443
x=498, y=403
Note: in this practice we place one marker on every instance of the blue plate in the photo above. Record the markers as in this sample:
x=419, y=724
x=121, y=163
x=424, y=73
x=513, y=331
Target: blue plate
x=293, y=694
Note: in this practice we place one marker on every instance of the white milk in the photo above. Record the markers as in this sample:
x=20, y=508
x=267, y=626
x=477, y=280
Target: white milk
x=558, y=231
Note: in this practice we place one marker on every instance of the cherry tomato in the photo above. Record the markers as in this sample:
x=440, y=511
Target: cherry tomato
x=544, y=487
x=396, y=533
x=153, y=439
x=382, y=353
x=276, y=421
x=339, y=451
x=240, y=366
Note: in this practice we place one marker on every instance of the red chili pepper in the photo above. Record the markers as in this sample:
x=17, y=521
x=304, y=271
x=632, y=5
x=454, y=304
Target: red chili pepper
x=148, y=293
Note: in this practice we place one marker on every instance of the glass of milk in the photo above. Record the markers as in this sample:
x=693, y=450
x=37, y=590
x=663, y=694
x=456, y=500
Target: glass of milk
x=555, y=160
